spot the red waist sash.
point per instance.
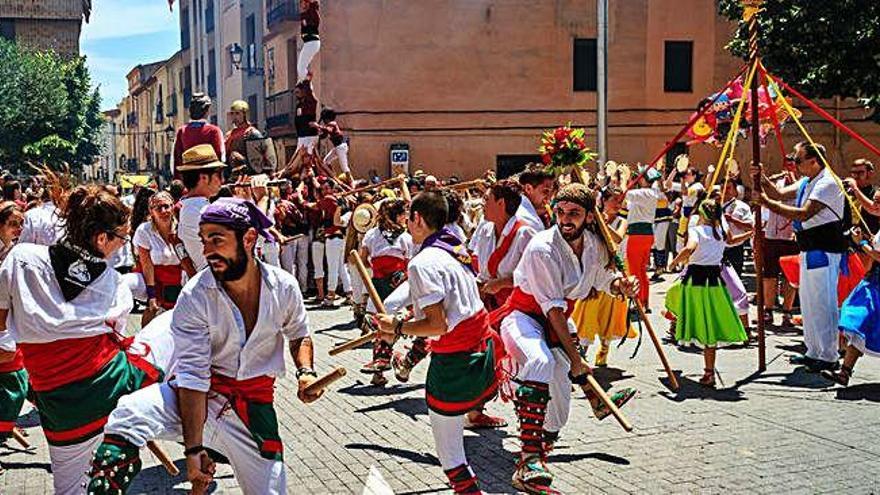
(16, 364)
(524, 302)
(167, 276)
(386, 266)
(468, 336)
(260, 390)
(55, 364)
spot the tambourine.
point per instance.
(682, 162)
(732, 167)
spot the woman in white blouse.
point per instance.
(11, 221)
(161, 256)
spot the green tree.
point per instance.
(822, 48)
(49, 112)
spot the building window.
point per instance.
(7, 29)
(209, 16)
(678, 62)
(212, 73)
(252, 108)
(251, 41)
(585, 70)
(184, 29)
(508, 165)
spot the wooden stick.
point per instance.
(384, 183)
(293, 238)
(20, 438)
(325, 381)
(465, 185)
(600, 392)
(374, 296)
(673, 381)
(404, 189)
(163, 458)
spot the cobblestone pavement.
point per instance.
(784, 430)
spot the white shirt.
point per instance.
(642, 205)
(161, 253)
(824, 189)
(42, 225)
(209, 332)
(377, 245)
(38, 312)
(709, 249)
(529, 215)
(436, 277)
(552, 274)
(188, 229)
(483, 244)
(457, 231)
(689, 197)
(740, 211)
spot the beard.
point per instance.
(235, 268)
(570, 232)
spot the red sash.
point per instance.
(386, 266)
(498, 256)
(468, 336)
(16, 364)
(55, 364)
(166, 276)
(526, 303)
(259, 391)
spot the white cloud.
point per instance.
(123, 18)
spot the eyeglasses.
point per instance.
(124, 238)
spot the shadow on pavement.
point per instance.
(9, 466)
(691, 389)
(606, 376)
(362, 389)
(599, 456)
(417, 457)
(158, 472)
(410, 406)
(864, 391)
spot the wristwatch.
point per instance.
(399, 318)
(305, 371)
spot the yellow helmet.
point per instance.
(240, 106)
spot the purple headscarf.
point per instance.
(238, 214)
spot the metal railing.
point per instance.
(280, 11)
(279, 109)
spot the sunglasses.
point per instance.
(125, 238)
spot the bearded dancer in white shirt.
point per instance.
(229, 325)
(559, 266)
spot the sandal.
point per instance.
(839, 377)
(618, 398)
(708, 379)
(533, 477)
(484, 421)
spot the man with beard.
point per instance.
(236, 138)
(229, 328)
(559, 266)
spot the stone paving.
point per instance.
(784, 430)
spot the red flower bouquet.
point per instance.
(565, 147)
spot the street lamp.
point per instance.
(236, 52)
(169, 132)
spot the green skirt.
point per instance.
(704, 311)
(13, 391)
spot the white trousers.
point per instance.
(340, 152)
(449, 439)
(306, 55)
(524, 339)
(152, 414)
(397, 300)
(661, 230)
(71, 462)
(295, 259)
(818, 292)
(358, 291)
(318, 258)
(336, 266)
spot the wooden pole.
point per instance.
(20, 438)
(758, 243)
(163, 458)
(374, 296)
(325, 381)
(384, 183)
(603, 396)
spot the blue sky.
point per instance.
(123, 34)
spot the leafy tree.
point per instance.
(823, 48)
(48, 111)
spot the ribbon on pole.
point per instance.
(730, 143)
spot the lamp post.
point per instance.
(236, 52)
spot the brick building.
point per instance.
(468, 85)
(44, 24)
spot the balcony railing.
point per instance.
(279, 109)
(280, 11)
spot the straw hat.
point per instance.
(364, 217)
(200, 157)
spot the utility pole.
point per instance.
(602, 80)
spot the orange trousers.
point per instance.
(638, 256)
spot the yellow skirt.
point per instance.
(605, 316)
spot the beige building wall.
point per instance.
(464, 81)
(45, 24)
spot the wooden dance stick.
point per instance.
(325, 381)
(163, 458)
(374, 296)
(384, 183)
(404, 189)
(19, 437)
(673, 381)
(600, 392)
(479, 183)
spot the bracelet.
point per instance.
(151, 292)
(197, 449)
(398, 325)
(578, 380)
(305, 371)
